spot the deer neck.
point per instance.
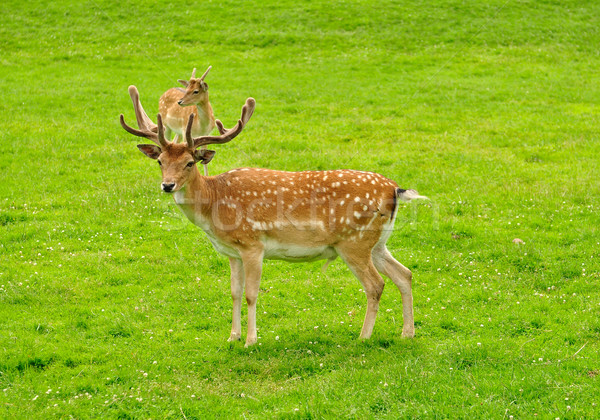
(205, 111)
(195, 199)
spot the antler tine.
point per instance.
(144, 122)
(248, 110)
(147, 128)
(228, 135)
(194, 73)
(205, 73)
(220, 126)
(161, 131)
(188, 132)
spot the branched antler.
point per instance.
(226, 134)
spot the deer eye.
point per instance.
(189, 164)
(196, 92)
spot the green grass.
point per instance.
(114, 306)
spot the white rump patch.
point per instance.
(411, 195)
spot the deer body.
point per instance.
(292, 216)
(254, 214)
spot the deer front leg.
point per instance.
(237, 289)
(168, 133)
(252, 261)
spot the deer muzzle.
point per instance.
(168, 187)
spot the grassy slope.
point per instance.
(112, 305)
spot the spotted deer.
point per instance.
(176, 105)
(252, 214)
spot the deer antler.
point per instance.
(226, 135)
(245, 117)
(186, 83)
(161, 131)
(147, 128)
(205, 73)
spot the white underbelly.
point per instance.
(275, 250)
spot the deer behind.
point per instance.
(176, 105)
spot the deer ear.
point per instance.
(183, 82)
(150, 150)
(204, 86)
(204, 156)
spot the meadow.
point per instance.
(113, 305)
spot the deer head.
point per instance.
(178, 160)
(196, 89)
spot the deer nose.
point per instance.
(167, 187)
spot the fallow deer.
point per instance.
(252, 214)
(176, 105)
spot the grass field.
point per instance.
(112, 305)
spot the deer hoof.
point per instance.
(408, 333)
(250, 341)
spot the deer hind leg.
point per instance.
(361, 265)
(252, 262)
(402, 277)
(237, 289)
